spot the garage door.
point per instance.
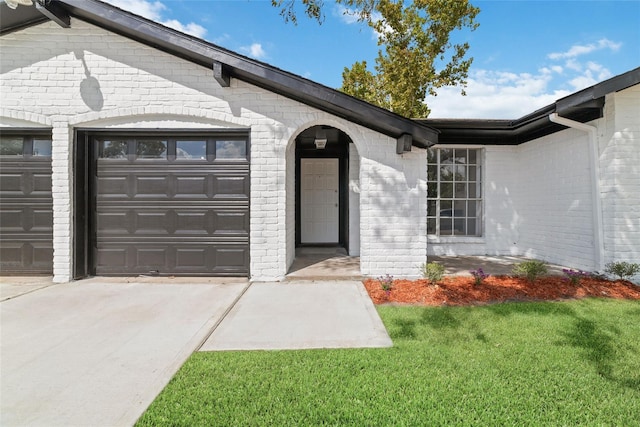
(172, 205)
(26, 214)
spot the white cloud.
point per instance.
(350, 16)
(508, 95)
(593, 74)
(255, 50)
(154, 10)
(346, 15)
(496, 95)
(578, 50)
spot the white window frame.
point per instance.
(479, 199)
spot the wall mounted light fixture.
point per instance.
(321, 138)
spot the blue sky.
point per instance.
(527, 54)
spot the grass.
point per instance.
(569, 363)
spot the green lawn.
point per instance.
(563, 363)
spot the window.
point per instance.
(36, 146)
(177, 148)
(231, 149)
(151, 149)
(454, 192)
(191, 150)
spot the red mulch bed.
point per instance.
(458, 290)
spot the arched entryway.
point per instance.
(326, 206)
(322, 191)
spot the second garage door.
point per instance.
(171, 205)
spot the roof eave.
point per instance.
(254, 72)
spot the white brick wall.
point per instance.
(538, 195)
(554, 200)
(537, 203)
(354, 201)
(619, 144)
(87, 77)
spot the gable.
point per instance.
(224, 65)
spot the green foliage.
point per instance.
(432, 271)
(621, 269)
(529, 364)
(312, 8)
(531, 269)
(386, 283)
(416, 56)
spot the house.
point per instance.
(127, 147)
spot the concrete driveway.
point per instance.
(95, 352)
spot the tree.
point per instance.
(416, 56)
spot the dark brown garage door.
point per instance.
(172, 205)
(26, 214)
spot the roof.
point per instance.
(225, 64)
(582, 106)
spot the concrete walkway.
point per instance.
(98, 351)
(301, 315)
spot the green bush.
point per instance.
(531, 269)
(432, 271)
(622, 270)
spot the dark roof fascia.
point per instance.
(22, 17)
(260, 74)
(583, 106)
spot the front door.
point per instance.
(319, 214)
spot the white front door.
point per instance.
(319, 201)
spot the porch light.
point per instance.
(12, 4)
(321, 139)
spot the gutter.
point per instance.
(598, 224)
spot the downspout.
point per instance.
(598, 224)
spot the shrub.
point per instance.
(386, 283)
(574, 276)
(432, 271)
(531, 269)
(621, 269)
(479, 276)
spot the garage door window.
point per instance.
(191, 150)
(42, 147)
(151, 150)
(25, 146)
(236, 150)
(196, 150)
(113, 149)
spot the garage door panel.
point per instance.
(168, 259)
(26, 213)
(13, 183)
(156, 186)
(191, 258)
(34, 257)
(112, 223)
(40, 184)
(42, 220)
(42, 256)
(231, 186)
(156, 222)
(12, 220)
(111, 259)
(151, 258)
(193, 222)
(192, 187)
(188, 217)
(231, 258)
(231, 223)
(112, 185)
